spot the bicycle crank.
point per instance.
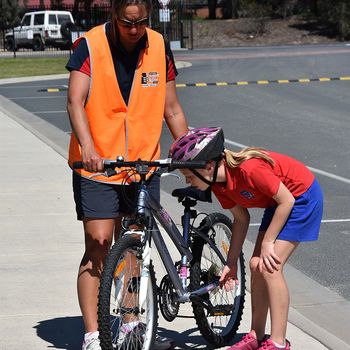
(168, 305)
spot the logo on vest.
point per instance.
(247, 195)
(149, 79)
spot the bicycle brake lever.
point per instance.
(110, 172)
(107, 173)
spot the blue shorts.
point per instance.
(304, 221)
(98, 200)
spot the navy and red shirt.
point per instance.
(124, 62)
(255, 181)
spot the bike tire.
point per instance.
(207, 265)
(112, 304)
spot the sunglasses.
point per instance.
(129, 24)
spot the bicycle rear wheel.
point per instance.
(123, 322)
(219, 326)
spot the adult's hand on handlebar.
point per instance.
(92, 162)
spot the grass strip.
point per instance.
(26, 67)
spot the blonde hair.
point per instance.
(234, 159)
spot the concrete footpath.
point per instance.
(42, 243)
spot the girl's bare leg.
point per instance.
(278, 294)
(259, 296)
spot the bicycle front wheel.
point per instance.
(123, 322)
(219, 325)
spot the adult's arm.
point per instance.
(78, 90)
(173, 112)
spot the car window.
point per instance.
(52, 19)
(26, 20)
(39, 19)
(63, 18)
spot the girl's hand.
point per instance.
(268, 258)
(228, 278)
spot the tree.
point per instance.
(212, 8)
(338, 14)
(8, 13)
(230, 8)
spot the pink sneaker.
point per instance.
(248, 342)
(269, 345)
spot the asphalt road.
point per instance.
(309, 120)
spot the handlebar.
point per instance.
(142, 164)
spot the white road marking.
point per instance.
(45, 112)
(36, 97)
(315, 170)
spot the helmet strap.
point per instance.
(215, 174)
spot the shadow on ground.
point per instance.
(67, 333)
(62, 333)
(317, 28)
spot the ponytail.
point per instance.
(234, 159)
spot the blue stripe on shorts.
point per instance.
(304, 221)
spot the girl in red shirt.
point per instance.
(293, 203)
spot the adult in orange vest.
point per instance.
(121, 86)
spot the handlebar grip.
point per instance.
(78, 165)
(189, 164)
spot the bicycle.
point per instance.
(128, 289)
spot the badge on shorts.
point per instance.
(149, 79)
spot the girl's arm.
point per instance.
(79, 84)
(240, 226)
(173, 113)
(285, 202)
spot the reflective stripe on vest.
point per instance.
(131, 131)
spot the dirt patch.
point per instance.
(259, 32)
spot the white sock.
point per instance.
(130, 325)
(279, 345)
(91, 335)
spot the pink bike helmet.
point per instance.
(199, 144)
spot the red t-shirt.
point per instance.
(254, 182)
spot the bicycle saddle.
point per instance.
(192, 192)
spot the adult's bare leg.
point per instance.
(98, 239)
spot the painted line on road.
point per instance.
(236, 83)
(330, 175)
(48, 112)
(264, 82)
(315, 170)
(323, 221)
(35, 97)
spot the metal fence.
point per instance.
(174, 22)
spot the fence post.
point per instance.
(14, 42)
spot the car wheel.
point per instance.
(38, 44)
(10, 44)
(66, 31)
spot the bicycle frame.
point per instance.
(147, 206)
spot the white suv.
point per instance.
(41, 28)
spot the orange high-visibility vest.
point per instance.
(133, 130)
